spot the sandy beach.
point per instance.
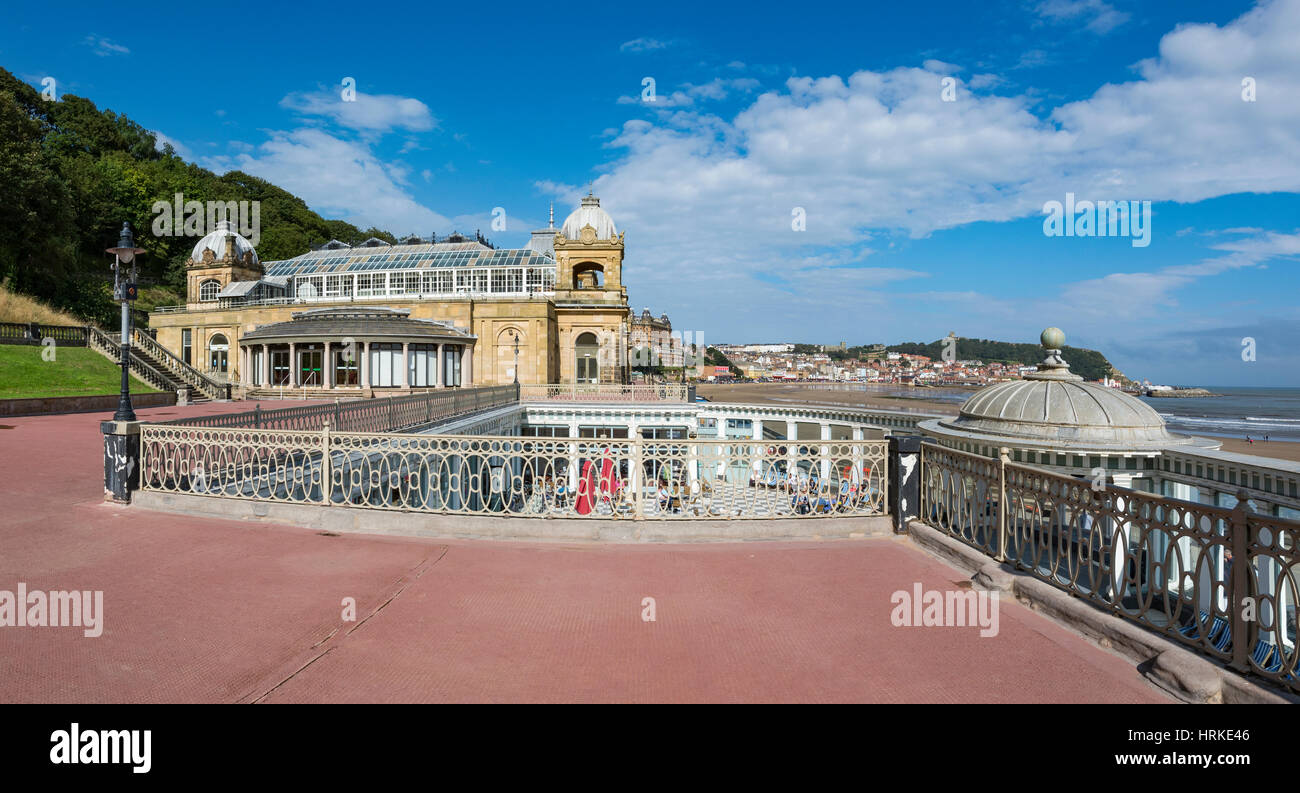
(798, 393)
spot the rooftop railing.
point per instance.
(605, 392)
(1191, 572)
(390, 414)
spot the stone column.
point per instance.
(792, 431)
(467, 366)
(293, 364)
(405, 381)
(327, 366)
(266, 364)
(440, 365)
(364, 377)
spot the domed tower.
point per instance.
(218, 260)
(590, 299)
(589, 256)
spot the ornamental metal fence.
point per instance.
(519, 476)
(1217, 579)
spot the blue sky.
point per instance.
(923, 216)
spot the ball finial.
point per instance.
(1053, 338)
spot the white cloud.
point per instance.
(181, 149)
(104, 47)
(368, 113)
(642, 45)
(1099, 17)
(338, 179)
(880, 151)
(715, 90)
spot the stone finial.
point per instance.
(1053, 366)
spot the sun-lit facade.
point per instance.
(556, 306)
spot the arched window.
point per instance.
(218, 353)
(208, 290)
(586, 351)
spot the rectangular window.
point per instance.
(422, 370)
(385, 365)
(451, 365)
(499, 281)
(545, 431)
(187, 346)
(602, 432)
(338, 286)
(664, 433)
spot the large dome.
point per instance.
(215, 241)
(1054, 405)
(589, 214)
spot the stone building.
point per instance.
(560, 300)
(655, 335)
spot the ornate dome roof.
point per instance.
(589, 214)
(215, 241)
(1054, 405)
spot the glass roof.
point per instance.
(406, 257)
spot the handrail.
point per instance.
(104, 342)
(211, 388)
(365, 415)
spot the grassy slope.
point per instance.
(75, 371)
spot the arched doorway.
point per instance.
(218, 353)
(586, 351)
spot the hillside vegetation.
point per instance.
(1089, 364)
(70, 174)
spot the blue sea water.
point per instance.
(1238, 413)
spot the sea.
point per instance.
(1235, 413)
(1238, 413)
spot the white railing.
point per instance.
(533, 477)
(603, 392)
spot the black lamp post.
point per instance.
(515, 334)
(124, 292)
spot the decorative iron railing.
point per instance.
(390, 414)
(109, 345)
(537, 477)
(604, 392)
(1217, 579)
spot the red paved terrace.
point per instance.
(226, 611)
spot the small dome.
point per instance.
(215, 241)
(1056, 405)
(1061, 410)
(589, 214)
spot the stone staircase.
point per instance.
(157, 366)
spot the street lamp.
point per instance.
(124, 292)
(515, 334)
